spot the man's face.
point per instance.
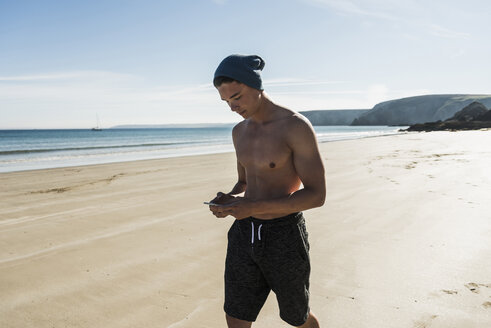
(241, 98)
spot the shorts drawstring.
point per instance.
(258, 232)
(252, 232)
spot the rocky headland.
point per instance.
(399, 112)
(333, 117)
(419, 109)
(475, 116)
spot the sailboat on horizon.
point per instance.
(98, 127)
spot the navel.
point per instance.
(272, 165)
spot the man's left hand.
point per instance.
(240, 209)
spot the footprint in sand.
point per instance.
(411, 165)
(471, 286)
(475, 288)
(425, 321)
(69, 188)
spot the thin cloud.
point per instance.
(352, 8)
(363, 98)
(287, 82)
(443, 32)
(408, 13)
(119, 98)
(98, 88)
(459, 53)
(74, 75)
(307, 92)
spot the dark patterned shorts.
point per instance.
(265, 255)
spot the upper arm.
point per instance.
(306, 156)
(240, 169)
(241, 173)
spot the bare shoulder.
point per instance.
(299, 121)
(299, 129)
(238, 128)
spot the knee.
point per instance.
(311, 322)
(237, 323)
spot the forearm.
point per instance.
(298, 201)
(239, 188)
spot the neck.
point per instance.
(266, 110)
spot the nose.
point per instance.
(233, 106)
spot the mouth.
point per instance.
(242, 113)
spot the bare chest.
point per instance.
(263, 151)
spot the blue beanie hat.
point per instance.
(243, 68)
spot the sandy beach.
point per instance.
(404, 239)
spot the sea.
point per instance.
(22, 150)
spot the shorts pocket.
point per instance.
(287, 243)
(240, 269)
(303, 239)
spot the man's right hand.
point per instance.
(222, 198)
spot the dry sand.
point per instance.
(404, 239)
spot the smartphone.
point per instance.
(213, 204)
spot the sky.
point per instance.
(64, 63)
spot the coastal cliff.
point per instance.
(419, 109)
(473, 117)
(333, 117)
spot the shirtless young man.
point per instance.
(268, 247)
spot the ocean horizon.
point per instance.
(34, 149)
